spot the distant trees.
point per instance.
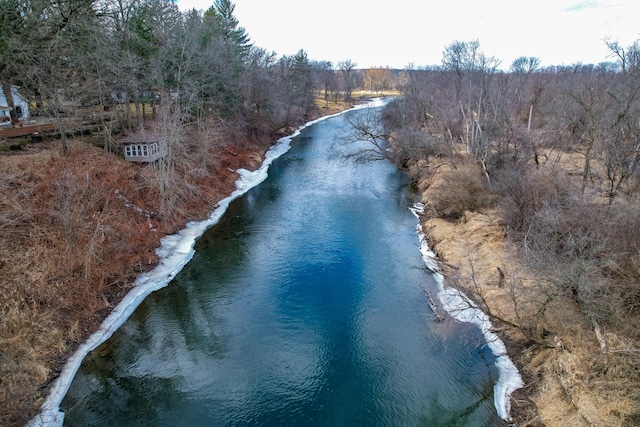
(525, 65)
(378, 79)
(325, 78)
(128, 56)
(112, 64)
(139, 52)
(348, 77)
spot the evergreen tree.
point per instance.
(222, 23)
(226, 47)
(302, 81)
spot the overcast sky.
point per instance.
(397, 33)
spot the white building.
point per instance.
(143, 147)
(20, 102)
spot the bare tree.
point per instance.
(257, 85)
(525, 65)
(364, 140)
(347, 70)
(325, 77)
(378, 79)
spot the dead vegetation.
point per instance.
(562, 291)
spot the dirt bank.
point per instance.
(570, 380)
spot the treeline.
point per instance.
(74, 53)
(555, 153)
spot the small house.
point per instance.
(120, 96)
(143, 147)
(20, 102)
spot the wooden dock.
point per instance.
(28, 129)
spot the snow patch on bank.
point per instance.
(175, 252)
(461, 308)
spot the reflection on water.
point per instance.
(302, 306)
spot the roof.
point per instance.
(140, 137)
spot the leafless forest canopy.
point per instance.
(554, 153)
(557, 150)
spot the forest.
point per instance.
(553, 153)
(553, 156)
(72, 57)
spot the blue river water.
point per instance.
(303, 306)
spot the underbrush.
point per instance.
(566, 289)
(459, 189)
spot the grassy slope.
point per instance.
(569, 381)
(76, 230)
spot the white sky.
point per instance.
(401, 32)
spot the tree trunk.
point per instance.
(139, 106)
(587, 162)
(6, 90)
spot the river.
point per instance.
(303, 305)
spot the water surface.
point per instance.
(304, 305)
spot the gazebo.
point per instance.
(143, 147)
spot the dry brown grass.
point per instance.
(570, 380)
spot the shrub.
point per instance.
(461, 189)
(523, 191)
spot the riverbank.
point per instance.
(174, 253)
(570, 379)
(469, 254)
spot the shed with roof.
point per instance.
(143, 147)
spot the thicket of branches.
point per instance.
(556, 151)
